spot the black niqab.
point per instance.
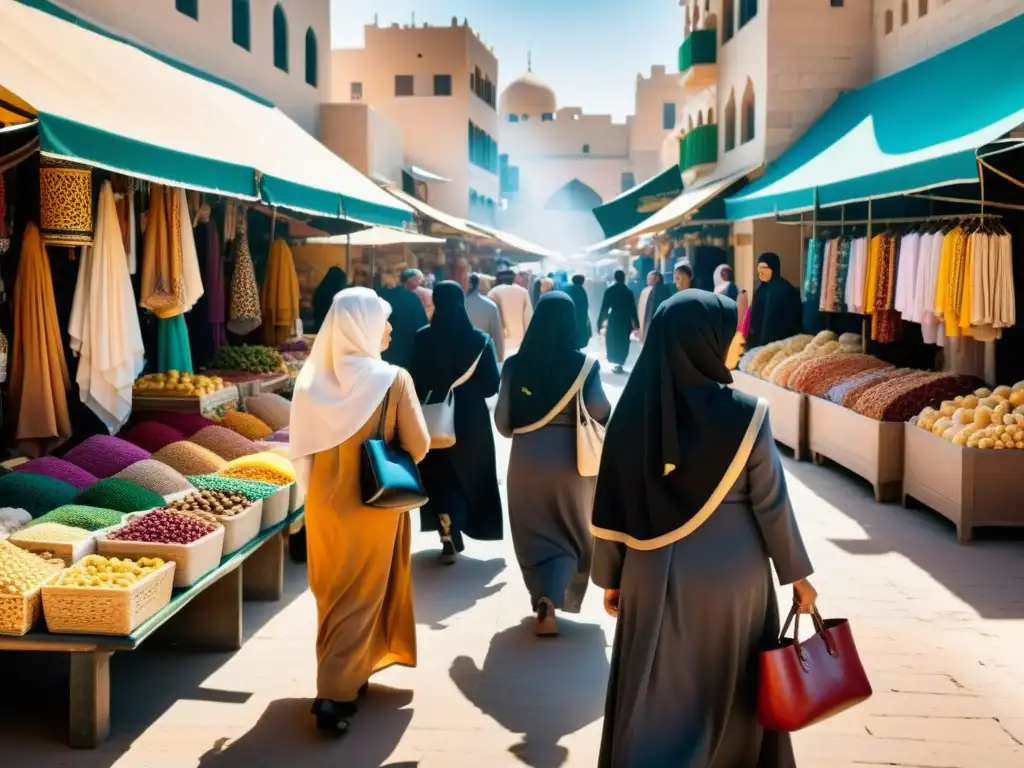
(334, 282)
(678, 426)
(548, 362)
(776, 312)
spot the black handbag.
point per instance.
(388, 477)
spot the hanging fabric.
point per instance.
(885, 320)
(171, 280)
(124, 198)
(104, 327)
(244, 316)
(173, 350)
(279, 296)
(39, 374)
(65, 203)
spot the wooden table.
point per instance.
(206, 615)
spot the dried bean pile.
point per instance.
(36, 494)
(58, 469)
(162, 527)
(121, 495)
(213, 503)
(246, 425)
(105, 456)
(225, 443)
(270, 408)
(189, 458)
(156, 477)
(152, 435)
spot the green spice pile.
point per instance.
(80, 516)
(36, 494)
(251, 489)
(121, 495)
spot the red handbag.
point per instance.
(802, 683)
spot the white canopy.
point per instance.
(377, 236)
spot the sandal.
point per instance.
(547, 625)
(333, 717)
(449, 555)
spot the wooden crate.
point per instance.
(971, 487)
(225, 398)
(787, 410)
(868, 448)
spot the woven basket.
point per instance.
(101, 611)
(194, 560)
(19, 613)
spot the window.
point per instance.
(728, 20)
(547, 117)
(730, 122)
(904, 13)
(837, 3)
(525, 117)
(311, 58)
(668, 115)
(689, 123)
(748, 10)
(628, 180)
(700, 119)
(403, 85)
(355, 91)
(922, 8)
(513, 118)
(280, 39)
(188, 7)
(241, 24)
(442, 85)
(711, 115)
(888, 22)
(749, 116)
(586, 149)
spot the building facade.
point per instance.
(276, 49)
(439, 86)
(558, 164)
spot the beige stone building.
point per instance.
(560, 163)
(277, 49)
(438, 85)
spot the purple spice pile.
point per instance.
(105, 456)
(281, 436)
(152, 435)
(162, 527)
(58, 469)
(186, 423)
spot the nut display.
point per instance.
(51, 533)
(162, 527)
(251, 358)
(176, 384)
(216, 503)
(985, 419)
(96, 571)
(22, 571)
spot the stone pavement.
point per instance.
(941, 628)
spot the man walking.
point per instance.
(485, 315)
(516, 309)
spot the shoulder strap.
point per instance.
(577, 387)
(382, 423)
(472, 369)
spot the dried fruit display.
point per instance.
(176, 384)
(251, 358)
(22, 571)
(95, 571)
(986, 419)
(162, 527)
(214, 503)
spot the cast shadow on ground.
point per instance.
(543, 689)
(286, 736)
(987, 574)
(443, 591)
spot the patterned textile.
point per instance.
(65, 203)
(885, 321)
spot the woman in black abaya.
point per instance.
(461, 481)
(619, 311)
(334, 282)
(776, 312)
(581, 303)
(691, 509)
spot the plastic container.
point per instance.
(277, 506)
(69, 552)
(242, 528)
(194, 560)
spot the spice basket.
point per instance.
(242, 528)
(19, 613)
(102, 611)
(70, 552)
(194, 560)
(276, 507)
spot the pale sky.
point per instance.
(589, 51)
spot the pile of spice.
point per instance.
(36, 494)
(270, 408)
(246, 425)
(58, 469)
(152, 435)
(186, 423)
(21, 571)
(121, 495)
(281, 436)
(225, 443)
(189, 458)
(51, 533)
(816, 378)
(105, 456)
(81, 516)
(162, 527)
(262, 467)
(156, 477)
(250, 489)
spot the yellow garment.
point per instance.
(949, 292)
(871, 275)
(359, 558)
(279, 296)
(39, 375)
(967, 293)
(171, 282)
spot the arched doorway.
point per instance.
(574, 196)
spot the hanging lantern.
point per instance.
(65, 203)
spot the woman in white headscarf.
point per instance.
(358, 556)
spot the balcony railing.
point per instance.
(699, 147)
(701, 47)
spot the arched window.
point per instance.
(904, 13)
(730, 122)
(749, 115)
(711, 115)
(280, 39)
(311, 58)
(689, 123)
(748, 10)
(728, 20)
(700, 119)
(922, 8)
(888, 22)
(188, 7)
(241, 24)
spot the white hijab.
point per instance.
(343, 380)
(721, 283)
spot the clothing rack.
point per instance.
(892, 220)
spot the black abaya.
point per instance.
(578, 294)
(776, 312)
(407, 317)
(619, 310)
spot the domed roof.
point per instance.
(528, 95)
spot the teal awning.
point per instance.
(636, 204)
(110, 103)
(917, 129)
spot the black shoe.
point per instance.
(333, 717)
(448, 554)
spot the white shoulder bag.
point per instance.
(440, 417)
